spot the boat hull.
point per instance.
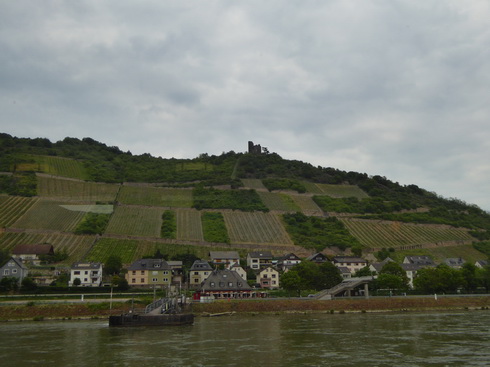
(151, 320)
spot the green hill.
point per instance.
(49, 192)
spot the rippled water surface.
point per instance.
(406, 339)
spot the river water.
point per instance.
(393, 339)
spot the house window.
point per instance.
(142, 272)
(154, 272)
(196, 280)
(133, 280)
(155, 279)
(14, 271)
(11, 263)
(6, 272)
(85, 280)
(211, 284)
(165, 280)
(134, 272)
(76, 272)
(142, 280)
(165, 273)
(230, 284)
(197, 273)
(86, 272)
(221, 284)
(273, 282)
(273, 275)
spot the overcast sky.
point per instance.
(393, 88)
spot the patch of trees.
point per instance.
(110, 164)
(443, 279)
(211, 198)
(93, 223)
(318, 233)
(283, 184)
(169, 224)
(214, 228)
(355, 205)
(19, 183)
(310, 276)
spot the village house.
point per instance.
(317, 258)
(376, 267)
(224, 284)
(198, 272)
(31, 254)
(146, 273)
(268, 278)
(241, 271)
(226, 258)
(455, 262)
(352, 263)
(481, 264)
(287, 262)
(259, 259)
(14, 268)
(89, 274)
(418, 260)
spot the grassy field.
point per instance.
(64, 189)
(378, 234)
(49, 215)
(154, 196)
(132, 250)
(12, 208)
(275, 201)
(342, 191)
(189, 225)
(466, 252)
(135, 221)
(57, 166)
(75, 246)
(255, 227)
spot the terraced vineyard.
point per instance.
(342, 191)
(75, 246)
(65, 189)
(49, 215)
(255, 227)
(253, 183)
(58, 166)
(307, 205)
(136, 221)
(275, 201)
(312, 188)
(12, 208)
(189, 226)
(155, 196)
(378, 234)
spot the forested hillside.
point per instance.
(93, 200)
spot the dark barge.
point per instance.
(163, 312)
(131, 319)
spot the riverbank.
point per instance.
(37, 312)
(344, 305)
